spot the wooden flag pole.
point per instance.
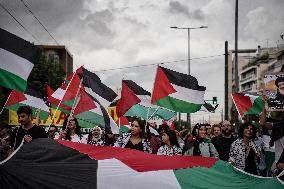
(5, 103)
(60, 102)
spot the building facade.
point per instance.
(253, 64)
(59, 54)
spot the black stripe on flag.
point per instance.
(32, 92)
(44, 163)
(105, 115)
(91, 80)
(182, 80)
(136, 88)
(18, 46)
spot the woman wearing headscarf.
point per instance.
(95, 137)
(199, 144)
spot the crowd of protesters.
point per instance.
(245, 149)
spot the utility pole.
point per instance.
(222, 115)
(236, 56)
(188, 55)
(236, 49)
(226, 82)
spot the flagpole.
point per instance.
(5, 103)
(60, 102)
(118, 124)
(236, 105)
(148, 110)
(152, 95)
(76, 103)
(154, 112)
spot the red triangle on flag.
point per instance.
(15, 97)
(122, 121)
(53, 100)
(85, 103)
(242, 102)
(162, 86)
(72, 88)
(127, 100)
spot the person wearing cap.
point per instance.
(223, 142)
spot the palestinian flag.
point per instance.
(16, 60)
(85, 103)
(124, 124)
(58, 164)
(127, 100)
(67, 93)
(136, 101)
(54, 102)
(248, 104)
(94, 86)
(176, 91)
(30, 98)
(96, 115)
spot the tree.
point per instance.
(46, 71)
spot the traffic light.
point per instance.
(214, 100)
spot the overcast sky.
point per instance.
(108, 34)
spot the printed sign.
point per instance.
(274, 90)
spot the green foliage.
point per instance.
(46, 72)
(256, 60)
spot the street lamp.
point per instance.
(188, 52)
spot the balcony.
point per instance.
(246, 90)
(250, 78)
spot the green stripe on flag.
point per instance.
(256, 108)
(12, 81)
(90, 119)
(222, 176)
(142, 112)
(60, 109)
(178, 105)
(123, 129)
(69, 102)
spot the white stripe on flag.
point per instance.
(114, 174)
(15, 64)
(103, 101)
(58, 94)
(35, 102)
(188, 95)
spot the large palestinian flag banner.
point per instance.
(17, 58)
(177, 91)
(45, 163)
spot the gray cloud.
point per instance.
(175, 7)
(110, 34)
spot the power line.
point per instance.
(31, 12)
(19, 22)
(168, 62)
